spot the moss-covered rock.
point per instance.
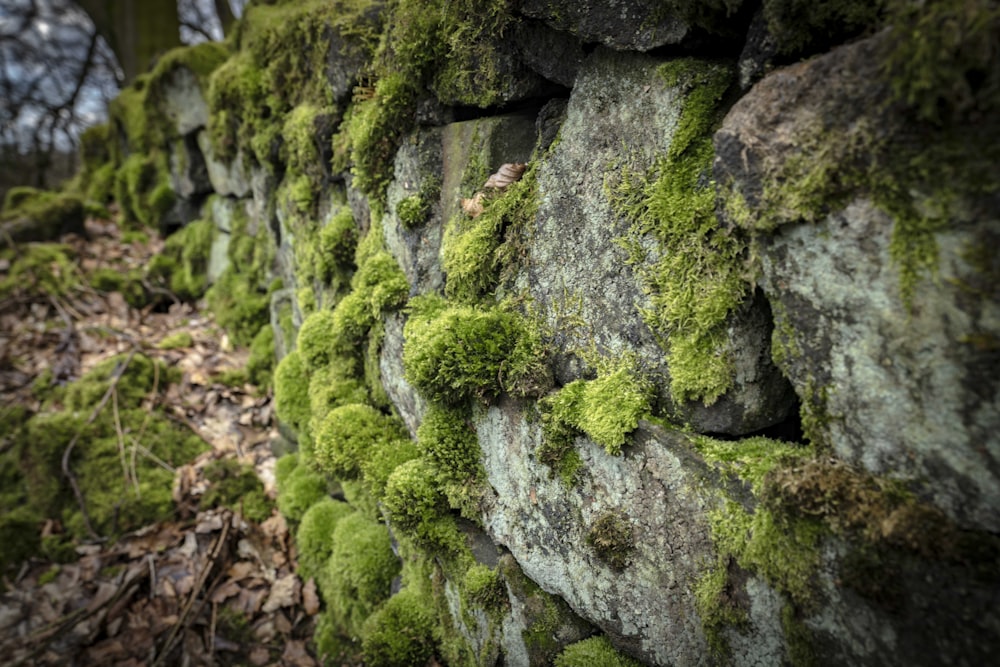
(594, 651)
(401, 632)
(314, 536)
(30, 214)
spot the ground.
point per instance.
(210, 579)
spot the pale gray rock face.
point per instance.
(226, 179)
(636, 25)
(621, 109)
(183, 101)
(409, 404)
(417, 167)
(188, 173)
(909, 392)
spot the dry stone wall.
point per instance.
(714, 380)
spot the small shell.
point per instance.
(473, 207)
(507, 173)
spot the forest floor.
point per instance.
(208, 585)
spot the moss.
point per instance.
(796, 25)
(142, 188)
(477, 252)
(313, 342)
(261, 361)
(447, 440)
(717, 608)
(696, 278)
(189, 251)
(176, 340)
(299, 489)
(331, 387)
(593, 651)
(401, 632)
(607, 409)
(337, 242)
(291, 391)
(314, 536)
(485, 587)
(41, 269)
(382, 462)
(349, 434)
(412, 497)
(40, 215)
(453, 354)
(413, 211)
(359, 574)
(237, 487)
(611, 538)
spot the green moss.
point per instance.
(447, 440)
(176, 340)
(237, 487)
(333, 386)
(190, 250)
(413, 211)
(382, 462)
(401, 632)
(337, 242)
(314, 537)
(299, 489)
(453, 354)
(696, 278)
(412, 497)
(796, 25)
(607, 409)
(41, 215)
(261, 360)
(611, 538)
(359, 574)
(485, 587)
(313, 342)
(717, 609)
(593, 651)
(45, 268)
(291, 391)
(476, 252)
(349, 434)
(142, 188)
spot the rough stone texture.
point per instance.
(637, 25)
(621, 109)
(183, 101)
(410, 406)
(648, 608)
(226, 179)
(281, 300)
(346, 55)
(759, 52)
(417, 167)
(188, 173)
(555, 55)
(908, 393)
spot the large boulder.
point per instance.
(887, 314)
(635, 25)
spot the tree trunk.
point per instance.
(138, 31)
(225, 14)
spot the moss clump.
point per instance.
(176, 340)
(456, 353)
(291, 391)
(606, 408)
(299, 487)
(313, 342)
(261, 361)
(696, 278)
(184, 262)
(349, 435)
(611, 538)
(314, 537)
(594, 651)
(485, 587)
(337, 242)
(413, 211)
(401, 632)
(475, 251)
(333, 386)
(43, 268)
(448, 441)
(237, 487)
(30, 214)
(358, 577)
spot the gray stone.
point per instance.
(348, 52)
(759, 52)
(629, 25)
(409, 404)
(183, 101)
(281, 301)
(188, 173)
(648, 608)
(417, 174)
(555, 55)
(909, 392)
(226, 179)
(576, 271)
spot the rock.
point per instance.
(647, 607)
(628, 25)
(555, 55)
(183, 101)
(281, 310)
(188, 173)
(416, 241)
(348, 53)
(759, 52)
(231, 179)
(622, 110)
(908, 390)
(409, 404)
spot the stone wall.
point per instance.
(714, 376)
